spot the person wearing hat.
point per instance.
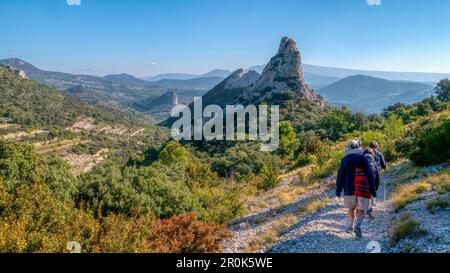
(354, 160)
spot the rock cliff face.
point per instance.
(282, 74)
(281, 81)
(240, 79)
(22, 74)
(229, 89)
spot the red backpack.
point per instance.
(362, 188)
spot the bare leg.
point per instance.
(351, 214)
(351, 220)
(360, 214)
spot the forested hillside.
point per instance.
(28, 103)
(59, 124)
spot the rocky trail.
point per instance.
(285, 229)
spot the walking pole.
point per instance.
(384, 189)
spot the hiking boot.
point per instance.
(358, 232)
(371, 216)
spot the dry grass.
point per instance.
(289, 196)
(304, 171)
(313, 206)
(408, 194)
(57, 145)
(278, 197)
(270, 236)
(408, 173)
(440, 182)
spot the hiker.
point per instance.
(354, 147)
(380, 165)
(380, 162)
(356, 177)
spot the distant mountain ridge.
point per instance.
(388, 75)
(31, 104)
(320, 76)
(205, 83)
(340, 73)
(127, 79)
(222, 73)
(370, 95)
(114, 89)
(124, 89)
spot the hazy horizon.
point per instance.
(218, 68)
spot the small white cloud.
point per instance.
(374, 2)
(73, 2)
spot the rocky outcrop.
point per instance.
(282, 74)
(22, 74)
(240, 79)
(18, 72)
(229, 89)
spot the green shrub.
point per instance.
(20, 164)
(407, 227)
(270, 178)
(288, 139)
(432, 146)
(436, 204)
(155, 189)
(304, 160)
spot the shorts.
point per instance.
(356, 202)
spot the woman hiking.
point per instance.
(356, 178)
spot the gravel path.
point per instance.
(323, 231)
(257, 224)
(319, 232)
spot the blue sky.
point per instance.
(147, 37)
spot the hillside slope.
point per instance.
(65, 126)
(371, 95)
(29, 103)
(117, 91)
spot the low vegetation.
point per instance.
(406, 227)
(440, 182)
(265, 240)
(438, 203)
(408, 194)
(432, 145)
(43, 207)
(313, 206)
(33, 105)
